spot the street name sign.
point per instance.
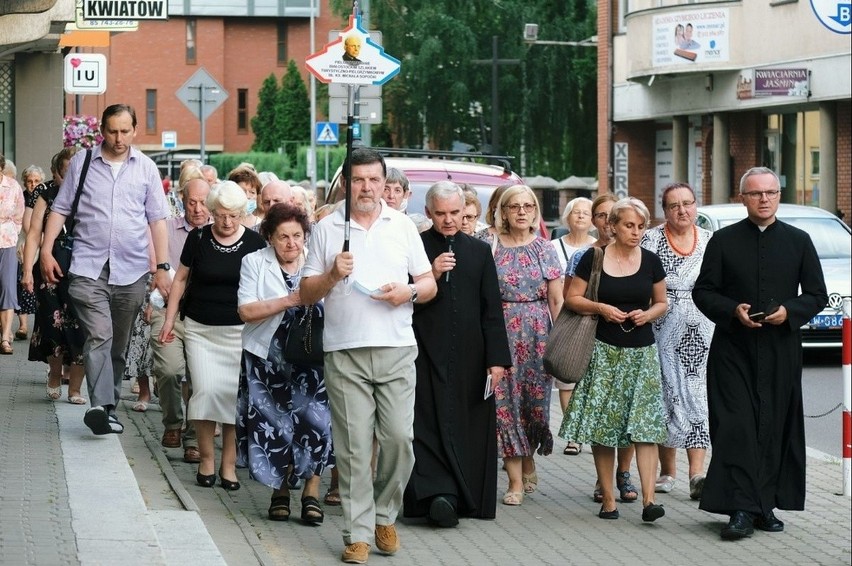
(125, 9)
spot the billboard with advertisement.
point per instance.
(686, 38)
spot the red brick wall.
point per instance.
(237, 52)
(745, 135)
(844, 159)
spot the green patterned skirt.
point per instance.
(619, 400)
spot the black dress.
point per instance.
(56, 331)
(27, 300)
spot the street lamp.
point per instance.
(531, 38)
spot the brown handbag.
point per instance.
(572, 338)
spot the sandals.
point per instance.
(513, 498)
(311, 511)
(279, 508)
(134, 387)
(597, 494)
(53, 393)
(21, 334)
(332, 496)
(626, 490)
(696, 486)
(530, 482)
(76, 400)
(6, 348)
(664, 484)
(573, 449)
(140, 406)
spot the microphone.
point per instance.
(450, 241)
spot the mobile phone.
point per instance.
(771, 308)
(757, 316)
(489, 391)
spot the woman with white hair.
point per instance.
(204, 290)
(577, 216)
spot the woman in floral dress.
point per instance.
(57, 337)
(283, 415)
(530, 279)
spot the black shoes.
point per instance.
(100, 422)
(442, 512)
(740, 526)
(611, 515)
(652, 512)
(228, 484)
(769, 522)
(205, 481)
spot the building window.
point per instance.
(814, 163)
(242, 110)
(190, 41)
(151, 111)
(281, 49)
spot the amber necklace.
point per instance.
(676, 249)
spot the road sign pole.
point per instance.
(326, 163)
(201, 114)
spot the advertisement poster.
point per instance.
(686, 38)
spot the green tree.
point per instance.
(293, 119)
(263, 125)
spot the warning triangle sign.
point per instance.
(327, 135)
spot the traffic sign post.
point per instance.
(202, 95)
(352, 59)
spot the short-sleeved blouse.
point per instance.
(628, 294)
(211, 296)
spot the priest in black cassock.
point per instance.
(754, 372)
(461, 336)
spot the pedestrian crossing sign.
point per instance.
(327, 133)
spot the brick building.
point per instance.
(755, 83)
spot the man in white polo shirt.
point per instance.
(370, 350)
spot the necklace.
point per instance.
(677, 250)
(628, 260)
(626, 330)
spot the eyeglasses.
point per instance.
(580, 213)
(469, 218)
(676, 205)
(601, 215)
(758, 195)
(516, 208)
(231, 217)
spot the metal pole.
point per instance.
(312, 162)
(495, 100)
(347, 169)
(201, 117)
(847, 397)
(326, 164)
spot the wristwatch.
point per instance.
(413, 298)
(164, 266)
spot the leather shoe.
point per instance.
(171, 438)
(191, 455)
(442, 512)
(740, 526)
(769, 522)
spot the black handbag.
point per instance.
(63, 245)
(304, 338)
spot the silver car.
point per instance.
(833, 241)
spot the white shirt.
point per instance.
(389, 251)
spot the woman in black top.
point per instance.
(205, 292)
(619, 400)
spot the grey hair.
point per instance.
(396, 176)
(443, 190)
(629, 203)
(570, 207)
(206, 168)
(32, 169)
(758, 171)
(227, 195)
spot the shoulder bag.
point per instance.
(572, 338)
(64, 242)
(304, 338)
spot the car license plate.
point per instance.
(826, 321)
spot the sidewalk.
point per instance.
(67, 497)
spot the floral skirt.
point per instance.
(283, 417)
(619, 400)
